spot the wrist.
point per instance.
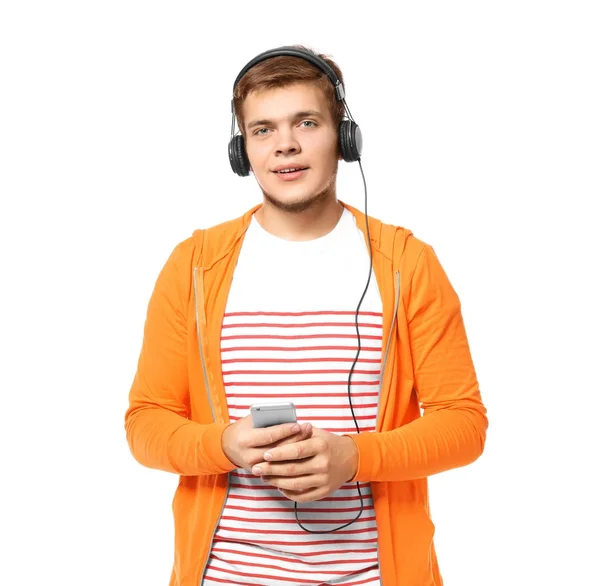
(352, 454)
(226, 445)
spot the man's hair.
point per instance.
(283, 71)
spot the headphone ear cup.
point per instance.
(238, 159)
(350, 137)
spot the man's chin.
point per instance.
(300, 202)
(295, 204)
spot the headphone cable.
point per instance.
(352, 368)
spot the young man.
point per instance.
(272, 307)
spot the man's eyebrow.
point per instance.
(303, 114)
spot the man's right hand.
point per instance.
(245, 445)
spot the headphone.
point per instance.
(350, 145)
(350, 136)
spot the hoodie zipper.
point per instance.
(397, 296)
(212, 537)
(199, 298)
(385, 357)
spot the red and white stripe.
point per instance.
(304, 357)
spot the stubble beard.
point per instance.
(314, 199)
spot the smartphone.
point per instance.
(266, 414)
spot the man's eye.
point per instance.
(260, 132)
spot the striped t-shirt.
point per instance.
(289, 334)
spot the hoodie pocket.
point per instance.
(413, 546)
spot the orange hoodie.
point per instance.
(177, 403)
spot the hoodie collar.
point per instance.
(374, 225)
(239, 226)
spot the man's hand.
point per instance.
(244, 445)
(310, 469)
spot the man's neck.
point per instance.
(315, 222)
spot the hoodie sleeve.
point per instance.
(452, 430)
(158, 430)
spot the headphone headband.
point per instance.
(294, 52)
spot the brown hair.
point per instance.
(283, 71)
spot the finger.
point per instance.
(289, 468)
(293, 451)
(306, 496)
(273, 434)
(304, 433)
(307, 429)
(294, 484)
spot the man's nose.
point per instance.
(287, 143)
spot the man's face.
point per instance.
(291, 127)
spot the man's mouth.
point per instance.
(291, 170)
(292, 173)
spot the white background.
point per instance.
(481, 134)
